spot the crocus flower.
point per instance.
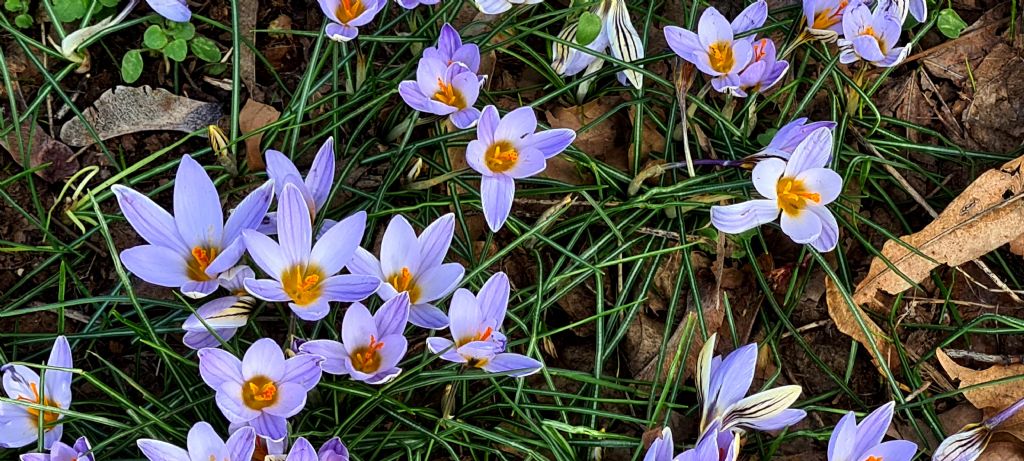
(190, 249)
(900, 8)
(223, 315)
(451, 50)
(203, 445)
(501, 6)
(722, 385)
(414, 265)
(714, 445)
(970, 443)
(263, 389)
(19, 424)
(784, 143)
(372, 345)
(799, 189)
(175, 10)
(508, 148)
(475, 323)
(617, 32)
(60, 451)
(861, 442)
(315, 188)
(333, 450)
(306, 278)
(871, 37)
(441, 88)
(824, 18)
(714, 48)
(347, 15)
(762, 73)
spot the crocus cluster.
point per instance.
(871, 36)
(617, 33)
(824, 19)
(737, 65)
(446, 80)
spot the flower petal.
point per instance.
(464, 312)
(493, 300)
(734, 376)
(58, 383)
(197, 211)
(217, 366)
(291, 397)
(780, 421)
(204, 443)
(750, 18)
(893, 450)
(332, 351)
(488, 125)
(475, 152)
(249, 213)
(741, 217)
(813, 152)
(399, 248)
(531, 161)
(333, 450)
(840, 445)
(365, 263)
(349, 287)
(267, 290)
(302, 451)
(357, 327)
(263, 358)
(392, 316)
(760, 406)
(516, 364)
(265, 252)
(294, 228)
(766, 176)
(625, 43)
(497, 193)
(337, 246)
(713, 28)
(426, 315)
(304, 370)
(270, 426)
(321, 174)
(18, 426)
(446, 348)
(803, 227)
(465, 118)
(552, 142)
(229, 401)
(516, 125)
(435, 241)
(313, 311)
(153, 223)
(175, 10)
(966, 445)
(158, 265)
(155, 450)
(437, 282)
(872, 428)
(241, 444)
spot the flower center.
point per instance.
(870, 31)
(793, 196)
(720, 56)
(874, 458)
(827, 18)
(448, 95)
(349, 10)
(367, 358)
(759, 49)
(480, 336)
(48, 417)
(201, 259)
(259, 392)
(476, 362)
(403, 281)
(501, 157)
(303, 284)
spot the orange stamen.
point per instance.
(793, 196)
(48, 416)
(349, 10)
(501, 157)
(201, 259)
(448, 95)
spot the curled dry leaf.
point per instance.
(42, 149)
(987, 215)
(990, 399)
(253, 116)
(842, 314)
(124, 110)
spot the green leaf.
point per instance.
(154, 38)
(950, 23)
(131, 66)
(176, 50)
(14, 5)
(69, 10)
(588, 28)
(205, 49)
(766, 138)
(109, 3)
(23, 21)
(182, 30)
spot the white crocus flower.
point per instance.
(617, 34)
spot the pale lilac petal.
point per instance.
(919, 10)
(197, 211)
(393, 351)
(304, 370)
(713, 28)
(365, 263)
(428, 72)
(203, 339)
(216, 314)
(241, 444)
(750, 18)
(53, 435)
(249, 213)
(333, 450)
(349, 287)
(516, 125)
(840, 445)
(438, 281)
(227, 258)
(464, 313)
(282, 171)
(270, 426)
(497, 193)
(18, 380)
(357, 327)
(683, 42)
(321, 174)
(493, 299)
(802, 226)
(399, 248)
(217, 366)
(488, 125)
(531, 161)
(813, 152)
(337, 246)
(35, 457)
(743, 53)
(782, 420)
(341, 32)
(291, 397)
(426, 315)
(435, 241)
(823, 181)
(734, 376)
(156, 264)
(58, 383)
(263, 358)
(150, 221)
(392, 316)
(480, 351)
(552, 142)
(332, 351)
(19, 428)
(175, 10)
(294, 228)
(518, 365)
(229, 401)
(204, 443)
(867, 48)
(662, 447)
(893, 450)
(465, 118)
(766, 176)
(155, 450)
(196, 290)
(475, 152)
(302, 451)
(446, 348)
(265, 252)
(414, 98)
(313, 311)
(267, 290)
(872, 428)
(741, 217)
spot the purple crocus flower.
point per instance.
(333, 450)
(414, 265)
(223, 315)
(263, 389)
(714, 48)
(863, 442)
(346, 16)
(762, 73)
(190, 249)
(970, 443)
(203, 445)
(714, 445)
(410, 4)
(372, 345)
(722, 385)
(509, 148)
(501, 6)
(19, 425)
(175, 10)
(451, 50)
(60, 451)
(785, 141)
(315, 188)
(303, 277)
(797, 189)
(824, 18)
(441, 88)
(475, 323)
(871, 37)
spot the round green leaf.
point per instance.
(23, 21)
(131, 66)
(950, 23)
(205, 49)
(176, 50)
(182, 30)
(154, 38)
(588, 28)
(69, 10)
(14, 5)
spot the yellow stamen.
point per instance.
(201, 259)
(367, 359)
(48, 417)
(793, 196)
(720, 56)
(501, 157)
(404, 281)
(349, 10)
(448, 95)
(827, 18)
(303, 284)
(259, 392)
(870, 31)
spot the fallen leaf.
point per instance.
(248, 10)
(842, 314)
(42, 149)
(995, 117)
(1017, 246)
(987, 215)
(990, 399)
(607, 141)
(253, 116)
(126, 110)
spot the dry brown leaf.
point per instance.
(975, 223)
(253, 116)
(42, 149)
(125, 110)
(607, 141)
(846, 322)
(995, 118)
(1017, 246)
(990, 399)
